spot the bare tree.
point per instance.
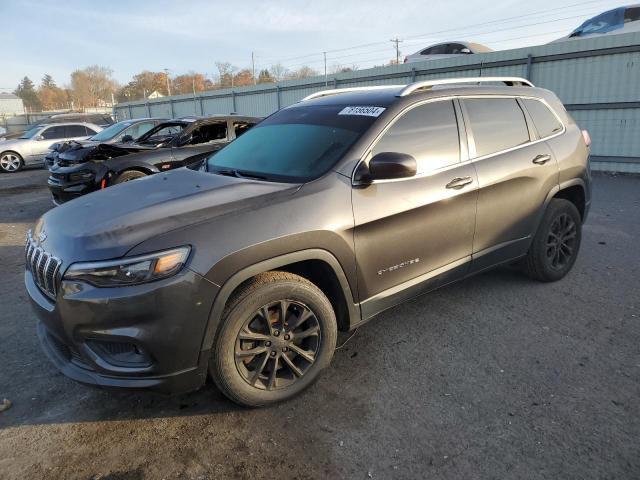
(278, 72)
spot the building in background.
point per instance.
(10, 104)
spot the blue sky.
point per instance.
(57, 37)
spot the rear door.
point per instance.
(516, 171)
(413, 233)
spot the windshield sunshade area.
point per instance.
(297, 144)
(162, 134)
(110, 132)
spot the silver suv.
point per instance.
(32, 146)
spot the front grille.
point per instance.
(44, 267)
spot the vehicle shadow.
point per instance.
(42, 395)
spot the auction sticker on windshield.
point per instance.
(362, 110)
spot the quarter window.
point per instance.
(428, 132)
(497, 124)
(546, 122)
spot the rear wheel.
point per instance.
(10, 162)
(555, 247)
(128, 175)
(277, 334)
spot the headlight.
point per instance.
(130, 271)
(81, 175)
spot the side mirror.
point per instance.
(391, 165)
(38, 138)
(127, 139)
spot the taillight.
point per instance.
(587, 137)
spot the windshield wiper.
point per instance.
(232, 172)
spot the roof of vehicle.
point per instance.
(385, 96)
(62, 124)
(215, 117)
(477, 47)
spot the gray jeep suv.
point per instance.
(323, 215)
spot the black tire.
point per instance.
(11, 162)
(556, 244)
(128, 175)
(255, 310)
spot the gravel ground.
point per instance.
(495, 377)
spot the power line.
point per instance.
(476, 34)
(416, 36)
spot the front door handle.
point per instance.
(541, 159)
(459, 182)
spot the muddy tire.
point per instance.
(276, 335)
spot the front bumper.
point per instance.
(64, 189)
(163, 322)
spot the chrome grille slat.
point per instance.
(43, 266)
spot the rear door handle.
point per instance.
(459, 182)
(541, 159)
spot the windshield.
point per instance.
(162, 134)
(32, 132)
(603, 23)
(294, 145)
(110, 132)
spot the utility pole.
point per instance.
(166, 72)
(397, 41)
(253, 67)
(325, 68)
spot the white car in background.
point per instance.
(446, 50)
(612, 22)
(32, 146)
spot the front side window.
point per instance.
(296, 144)
(545, 121)
(497, 124)
(53, 133)
(163, 133)
(71, 131)
(429, 133)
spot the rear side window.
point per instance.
(546, 122)
(90, 131)
(497, 124)
(429, 133)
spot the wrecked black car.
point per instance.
(176, 143)
(125, 131)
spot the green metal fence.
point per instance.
(598, 79)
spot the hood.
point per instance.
(85, 151)
(13, 143)
(108, 223)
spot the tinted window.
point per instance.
(546, 122)
(295, 144)
(632, 14)
(497, 124)
(455, 48)
(429, 133)
(53, 133)
(90, 131)
(436, 50)
(210, 132)
(75, 131)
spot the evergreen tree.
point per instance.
(27, 92)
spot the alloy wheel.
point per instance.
(561, 240)
(277, 345)
(10, 162)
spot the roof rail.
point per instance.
(511, 81)
(335, 91)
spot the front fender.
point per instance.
(273, 264)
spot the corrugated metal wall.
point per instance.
(598, 79)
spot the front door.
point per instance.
(413, 234)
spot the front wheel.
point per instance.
(554, 248)
(10, 162)
(128, 175)
(277, 334)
